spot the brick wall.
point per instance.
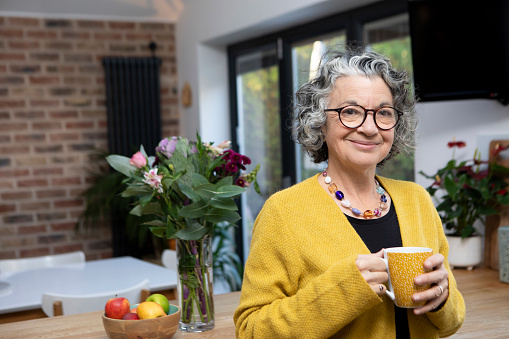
(53, 118)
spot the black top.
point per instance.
(381, 233)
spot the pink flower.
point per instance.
(154, 180)
(138, 160)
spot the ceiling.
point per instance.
(132, 10)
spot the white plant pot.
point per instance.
(465, 252)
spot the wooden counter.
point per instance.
(487, 301)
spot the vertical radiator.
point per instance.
(134, 118)
(133, 103)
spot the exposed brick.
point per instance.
(90, 24)
(44, 80)
(152, 26)
(7, 230)
(47, 125)
(107, 36)
(32, 137)
(48, 149)
(65, 181)
(24, 22)
(77, 80)
(35, 206)
(79, 124)
(4, 92)
(67, 226)
(33, 183)
(27, 92)
(44, 103)
(48, 171)
(123, 47)
(52, 238)
(4, 208)
(59, 45)
(5, 115)
(14, 172)
(63, 114)
(9, 254)
(17, 218)
(13, 126)
(76, 35)
(34, 252)
(30, 161)
(51, 193)
(5, 162)
(58, 137)
(69, 203)
(117, 25)
(139, 36)
(52, 23)
(68, 248)
(44, 56)
(60, 69)
(51, 216)
(29, 115)
(31, 229)
(82, 58)
(12, 80)
(23, 44)
(14, 149)
(11, 33)
(81, 147)
(16, 242)
(62, 91)
(41, 34)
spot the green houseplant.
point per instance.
(185, 191)
(468, 191)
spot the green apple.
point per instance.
(161, 300)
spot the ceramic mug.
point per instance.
(403, 264)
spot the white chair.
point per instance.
(169, 259)
(23, 264)
(59, 304)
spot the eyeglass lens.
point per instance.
(353, 117)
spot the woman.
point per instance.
(314, 268)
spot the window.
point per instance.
(264, 75)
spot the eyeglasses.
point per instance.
(353, 116)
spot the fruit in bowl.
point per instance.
(115, 308)
(161, 325)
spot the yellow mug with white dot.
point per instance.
(403, 264)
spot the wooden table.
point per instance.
(89, 325)
(486, 297)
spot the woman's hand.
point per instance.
(438, 278)
(373, 271)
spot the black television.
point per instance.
(460, 50)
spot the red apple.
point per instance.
(116, 308)
(130, 316)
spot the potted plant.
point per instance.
(467, 192)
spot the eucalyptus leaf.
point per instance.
(223, 203)
(206, 191)
(193, 231)
(158, 231)
(198, 179)
(158, 223)
(215, 215)
(188, 191)
(136, 190)
(121, 164)
(194, 211)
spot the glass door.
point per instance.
(258, 129)
(306, 57)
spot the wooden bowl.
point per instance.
(163, 327)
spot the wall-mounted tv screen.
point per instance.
(460, 49)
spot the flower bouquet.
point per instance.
(186, 189)
(468, 191)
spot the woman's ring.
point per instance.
(441, 290)
(381, 287)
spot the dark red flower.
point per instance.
(227, 154)
(231, 167)
(501, 192)
(246, 160)
(458, 144)
(240, 182)
(236, 158)
(480, 175)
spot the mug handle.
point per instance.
(389, 291)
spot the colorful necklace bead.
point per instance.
(367, 214)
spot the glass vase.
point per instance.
(195, 284)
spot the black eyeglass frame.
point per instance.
(338, 110)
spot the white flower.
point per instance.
(154, 180)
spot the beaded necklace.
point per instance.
(368, 214)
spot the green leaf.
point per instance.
(230, 191)
(193, 231)
(158, 223)
(223, 203)
(215, 215)
(206, 191)
(193, 211)
(171, 230)
(136, 190)
(225, 181)
(158, 231)
(121, 164)
(198, 180)
(188, 191)
(149, 208)
(451, 187)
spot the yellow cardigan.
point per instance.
(301, 280)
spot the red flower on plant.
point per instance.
(498, 148)
(501, 192)
(240, 182)
(458, 144)
(231, 167)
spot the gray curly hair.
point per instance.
(313, 97)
